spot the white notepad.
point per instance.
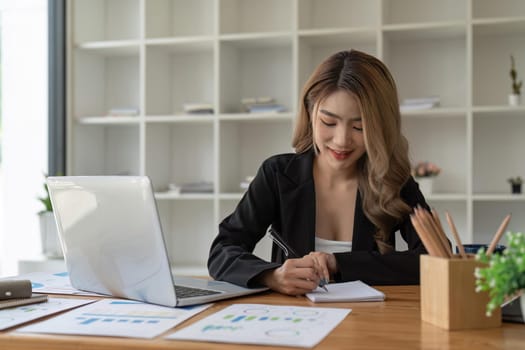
(346, 292)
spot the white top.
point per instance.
(329, 246)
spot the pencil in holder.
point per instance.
(448, 294)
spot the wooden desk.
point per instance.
(393, 324)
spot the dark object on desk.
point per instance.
(33, 299)
(473, 248)
(15, 289)
(514, 311)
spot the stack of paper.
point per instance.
(412, 104)
(261, 105)
(346, 292)
(123, 112)
(198, 108)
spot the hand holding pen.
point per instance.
(289, 252)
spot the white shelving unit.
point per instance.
(156, 55)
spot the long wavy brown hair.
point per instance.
(385, 167)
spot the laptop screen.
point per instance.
(111, 236)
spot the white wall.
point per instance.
(24, 140)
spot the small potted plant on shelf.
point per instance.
(424, 172)
(504, 276)
(48, 229)
(515, 183)
(514, 98)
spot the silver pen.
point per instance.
(289, 252)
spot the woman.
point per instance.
(339, 199)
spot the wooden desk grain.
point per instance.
(393, 324)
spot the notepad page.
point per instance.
(346, 292)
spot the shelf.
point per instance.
(182, 45)
(257, 40)
(499, 110)
(158, 55)
(247, 117)
(501, 26)
(107, 120)
(446, 197)
(498, 197)
(331, 37)
(438, 112)
(183, 196)
(425, 31)
(181, 118)
(111, 48)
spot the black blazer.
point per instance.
(282, 194)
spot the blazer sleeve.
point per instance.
(393, 268)
(231, 256)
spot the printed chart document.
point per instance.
(265, 325)
(51, 283)
(346, 292)
(22, 314)
(118, 318)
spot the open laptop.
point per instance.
(113, 244)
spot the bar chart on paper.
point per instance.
(265, 325)
(18, 315)
(120, 318)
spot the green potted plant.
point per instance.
(504, 276)
(48, 229)
(514, 98)
(515, 183)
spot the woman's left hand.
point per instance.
(326, 264)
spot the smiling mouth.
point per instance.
(340, 155)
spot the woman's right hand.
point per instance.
(294, 277)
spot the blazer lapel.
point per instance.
(297, 191)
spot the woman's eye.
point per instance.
(358, 128)
(326, 123)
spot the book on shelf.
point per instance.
(198, 108)
(416, 104)
(191, 187)
(261, 105)
(123, 112)
(269, 108)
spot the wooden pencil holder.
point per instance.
(448, 294)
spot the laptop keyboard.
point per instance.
(190, 292)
